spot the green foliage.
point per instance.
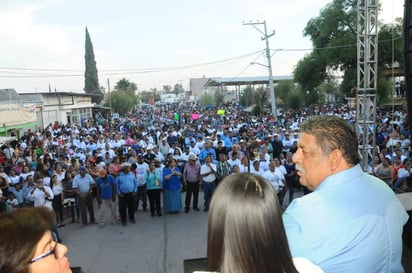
(91, 81)
(219, 98)
(206, 100)
(283, 89)
(384, 90)
(122, 102)
(333, 35)
(310, 71)
(387, 32)
(246, 99)
(257, 110)
(167, 89)
(294, 100)
(349, 82)
(178, 89)
(329, 89)
(260, 98)
(144, 96)
(127, 86)
(312, 97)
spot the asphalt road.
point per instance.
(152, 245)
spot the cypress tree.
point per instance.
(91, 80)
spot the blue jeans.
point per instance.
(398, 184)
(208, 189)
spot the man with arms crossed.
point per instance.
(352, 222)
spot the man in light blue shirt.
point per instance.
(83, 184)
(352, 222)
(127, 190)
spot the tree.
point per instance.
(167, 89)
(127, 86)
(91, 80)
(260, 98)
(206, 100)
(386, 33)
(246, 99)
(294, 100)
(329, 90)
(333, 35)
(310, 71)
(144, 96)
(122, 102)
(219, 98)
(283, 89)
(178, 89)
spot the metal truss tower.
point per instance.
(367, 63)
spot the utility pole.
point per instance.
(266, 38)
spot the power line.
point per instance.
(19, 72)
(137, 70)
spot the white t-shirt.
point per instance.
(204, 169)
(276, 179)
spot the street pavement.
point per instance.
(151, 245)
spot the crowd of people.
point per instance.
(70, 165)
(67, 166)
(122, 164)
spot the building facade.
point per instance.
(63, 107)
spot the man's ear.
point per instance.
(335, 159)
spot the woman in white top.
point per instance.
(245, 230)
(58, 198)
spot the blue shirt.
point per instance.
(227, 140)
(174, 182)
(204, 153)
(83, 184)
(126, 183)
(352, 222)
(106, 186)
(19, 194)
(153, 180)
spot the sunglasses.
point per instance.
(44, 255)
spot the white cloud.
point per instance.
(19, 30)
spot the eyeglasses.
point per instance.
(44, 255)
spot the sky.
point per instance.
(151, 43)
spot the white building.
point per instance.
(64, 107)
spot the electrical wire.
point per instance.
(16, 71)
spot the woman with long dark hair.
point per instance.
(245, 229)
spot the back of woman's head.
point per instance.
(20, 231)
(245, 228)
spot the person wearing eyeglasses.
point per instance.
(26, 238)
